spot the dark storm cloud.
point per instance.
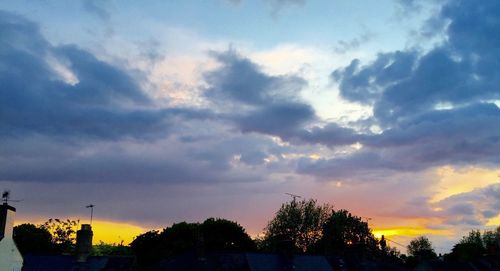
(103, 101)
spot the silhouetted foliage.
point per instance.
(211, 235)
(147, 247)
(421, 248)
(225, 235)
(491, 241)
(103, 249)
(470, 247)
(343, 232)
(474, 245)
(63, 233)
(300, 222)
(31, 239)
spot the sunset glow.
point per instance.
(161, 112)
(406, 232)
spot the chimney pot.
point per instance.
(83, 243)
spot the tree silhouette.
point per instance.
(104, 249)
(31, 239)
(474, 245)
(224, 235)
(343, 232)
(298, 222)
(421, 248)
(214, 234)
(63, 233)
(147, 247)
(491, 240)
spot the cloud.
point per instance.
(278, 5)
(434, 107)
(241, 80)
(473, 208)
(330, 135)
(458, 72)
(67, 91)
(70, 117)
(366, 84)
(97, 8)
(257, 102)
(86, 120)
(344, 46)
(277, 119)
(462, 136)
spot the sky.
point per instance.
(165, 111)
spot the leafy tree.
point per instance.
(491, 240)
(421, 247)
(147, 247)
(212, 235)
(179, 238)
(225, 235)
(470, 247)
(474, 245)
(63, 233)
(298, 222)
(344, 232)
(103, 249)
(31, 239)
(474, 237)
(393, 252)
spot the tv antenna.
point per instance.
(293, 196)
(91, 206)
(367, 219)
(6, 197)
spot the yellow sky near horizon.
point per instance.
(453, 181)
(109, 232)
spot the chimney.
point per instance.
(5, 210)
(83, 243)
(10, 258)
